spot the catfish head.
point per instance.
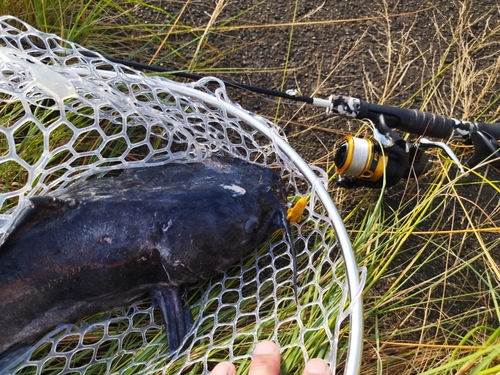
(232, 210)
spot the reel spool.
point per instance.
(362, 162)
(360, 158)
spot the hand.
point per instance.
(266, 361)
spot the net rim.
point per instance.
(353, 362)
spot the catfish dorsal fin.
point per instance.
(39, 208)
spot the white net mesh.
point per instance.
(67, 114)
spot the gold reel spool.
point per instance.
(359, 158)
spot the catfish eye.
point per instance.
(251, 224)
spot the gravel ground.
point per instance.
(334, 47)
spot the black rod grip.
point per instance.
(427, 124)
(411, 120)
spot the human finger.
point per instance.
(317, 366)
(224, 368)
(266, 359)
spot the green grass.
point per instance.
(430, 246)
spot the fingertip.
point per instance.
(266, 359)
(224, 368)
(317, 366)
(265, 347)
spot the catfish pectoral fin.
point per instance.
(188, 319)
(177, 319)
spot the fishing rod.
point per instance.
(292, 94)
(364, 162)
(367, 162)
(387, 157)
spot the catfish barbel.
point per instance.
(103, 243)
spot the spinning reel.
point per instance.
(388, 157)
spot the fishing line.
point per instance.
(260, 90)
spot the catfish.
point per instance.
(106, 242)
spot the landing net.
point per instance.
(67, 114)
